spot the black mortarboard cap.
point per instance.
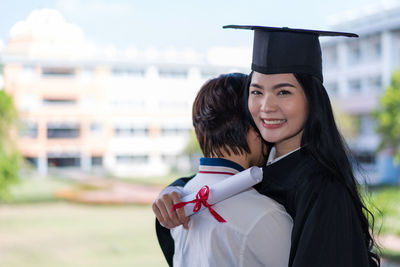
(286, 50)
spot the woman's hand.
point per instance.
(162, 208)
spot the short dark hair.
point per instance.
(219, 116)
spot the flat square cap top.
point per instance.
(286, 50)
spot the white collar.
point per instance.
(272, 154)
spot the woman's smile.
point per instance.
(273, 123)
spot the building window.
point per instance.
(87, 71)
(375, 84)
(208, 74)
(330, 56)
(332, 88)
(173, 74)
(28, 70)
(355, 86)
(367, 125)
(126, 72)
(58, 72)
(33, 161)
(365, 157)
(132, 159)
(174, 131)
(354, 53)
(55, 102)
(62, 130)
(29, 129)
(170, 159)
(96, 128)
(374, 47)
(61, 160)
(377, 49)
(130, 131)
(97, 161)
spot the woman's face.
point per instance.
(278, 106)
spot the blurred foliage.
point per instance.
(37, 190)
(383, 202)
(387, 116)
(349, 124)
(193, 150)
(192, 147)
(9, 156)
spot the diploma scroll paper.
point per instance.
(227, 188)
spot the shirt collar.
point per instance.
(219, 166)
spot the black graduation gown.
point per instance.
(326, 228)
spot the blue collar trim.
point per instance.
(220, 162)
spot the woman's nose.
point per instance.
(269, 104)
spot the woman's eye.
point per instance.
(284, 92)
(255, 92)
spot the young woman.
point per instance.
(309, 171)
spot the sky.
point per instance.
(182, 24)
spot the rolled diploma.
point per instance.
(226, 188)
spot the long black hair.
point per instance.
(323, 141)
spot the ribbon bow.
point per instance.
(201, 199)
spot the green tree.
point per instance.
(192, 150)
(387, 117)
(192, 147)
(9, 156)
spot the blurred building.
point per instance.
(125, 112)
(356, 71)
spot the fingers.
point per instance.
(170, 215)
(157, 212)
(181, 217)
(162, 208)
(186, 223)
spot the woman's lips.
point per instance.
(272, 123)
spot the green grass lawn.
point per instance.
(62, 234)
(41, 231)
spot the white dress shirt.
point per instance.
(256, 233)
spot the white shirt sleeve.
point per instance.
(268, 242)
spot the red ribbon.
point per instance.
(201, 199)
